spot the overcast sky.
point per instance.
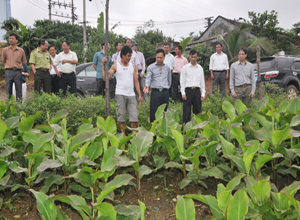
(176, 18)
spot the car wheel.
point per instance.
(292, 92)
(79, 95)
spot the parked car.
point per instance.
(86, 80)
(281, 70)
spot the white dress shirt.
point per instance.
(218, 62)
(134, 58)
(170, 60)
(192, 76)
(52, 72)
(66, 67)
(142, 65)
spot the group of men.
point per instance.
(51, 71)
(127, 65)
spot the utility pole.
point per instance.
(49, 6)
(258, 72)
(208, 21)
(73, 10)
(107, 95)
(84, 29)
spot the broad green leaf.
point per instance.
(185, 209)
(111, 125)
(7, 151)
(173, 164)
(220, 188)
(240, 107)
(46, 207)
(141, 143)
(280, 135)
(184, 182)
(3, 168)
(293, 107)
(227, 147)
(262, 190)
(106, 210)
(263, 134)
(53, 179)
(108, 162)
(41, 140)
(228, 108)
(81, 206)
(143, 209)
(30, 137)
(85, 128)
(144, 170)
(17, 169)
(238, 161)
(12, 122)
(47, 163)
(62, 216)
(4, 180)
(214, 172)
(160, 112)
(3, 129)
(238, 206)
(214, 208)
(62, 113)
(27, 123)
(124, 161)
(292, 189)
(18, 186)
(184, 43)
(234, 182)
(159, 161)
(223, 200)
(113, 139)
(263, 121)
(79, 139)
(239, 135)
(295, 121)
(101, 123)
(179, 140)
(262, 159)
(248, 156)
(281, 202)
(118, 181)
(94, 150)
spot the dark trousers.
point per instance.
(55, 84)
(219, 79)
(174, 86)
(68, 80)
(158, 98)
(193, 97)
(100, 86)
(42, 77)
(13, 76)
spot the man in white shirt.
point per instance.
(169, 58)
(68, 60)
(127, 78)
(141, 69)
(192, 82)
(118, 46)
(134, 57)
(219, 69)
(55, 80)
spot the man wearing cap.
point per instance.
(40, 60)
(13, 59)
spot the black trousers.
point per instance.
(100, 87)
(42, 78)
(175, 84)
(193, 98)
(55, 84)
(68, 80)
(158, 98)
(13, 76)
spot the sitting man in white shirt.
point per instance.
(192, 81)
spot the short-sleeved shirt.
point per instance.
(40, 59)
(98, 62)
(13, 58)
(52, 71)
(66, 67)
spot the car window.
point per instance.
(297, 65)
(90, 71)
(82, 73)
(264, 65)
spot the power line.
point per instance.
(37, 5)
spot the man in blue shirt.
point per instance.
(97, 64)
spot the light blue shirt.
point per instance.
(159, 77)
(98, 62)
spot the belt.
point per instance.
(244, 85)
(176, 73)
(68, 74)
(12, 69)
(160, 90)
(45, 70)
(219, 71)
(192, 88)
(53, 75)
